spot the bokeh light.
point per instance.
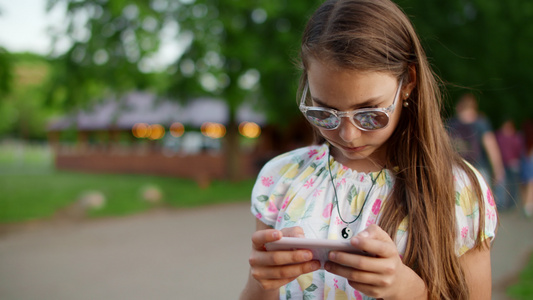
(177, 129)
(213, 130)
(250, 130)
(141, 130)
(157, 132)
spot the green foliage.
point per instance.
(23, 113)
(6, 72)
(111, 45)
(482, 46)
(524, 288)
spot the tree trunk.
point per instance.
(232, 148)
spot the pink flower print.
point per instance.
(335, 284)
(280, 218)
(464, 232)
(285, 203)
(259, 216)
(490, 198)
(370, 222)
(272, 207)
(338, 221)
(309, 183)
(344, 167)
(361, 178)
(267, 181)
(327, 211)
(490, 214)
(312, 152)
(376, 207)
(317, 192)
(343, 181)
(321, 155)
(357, 295)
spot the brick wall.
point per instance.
(203, 166)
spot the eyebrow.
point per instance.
(370, 102)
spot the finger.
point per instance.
(280, 258)
(375, 241)
(354, 275)
(295, 231)
(375, 232)
(261, 237)
(356, 261)
(285, 272)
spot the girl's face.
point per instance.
(347, 90)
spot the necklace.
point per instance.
(346, 232)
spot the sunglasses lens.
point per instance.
(323, 119)
(371, 120)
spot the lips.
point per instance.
(354, 149)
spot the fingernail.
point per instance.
(308, 255)
(327, 266)
(332, 256)
(276, 234)
(364, 234)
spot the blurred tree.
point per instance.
(480, 45)
(234, 49)
(22, 111)
(242, 51)
(6, 69)
(112, 43)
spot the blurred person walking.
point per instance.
(527, 169)
(473, 138)
(512, 150)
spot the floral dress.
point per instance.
(295, 189)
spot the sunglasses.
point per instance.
(366, 119)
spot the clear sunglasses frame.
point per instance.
(349, 114)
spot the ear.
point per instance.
(408, 88)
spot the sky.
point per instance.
(23, 25)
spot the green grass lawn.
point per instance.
(31, 189)
(523, 290)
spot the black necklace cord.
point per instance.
(337, 199)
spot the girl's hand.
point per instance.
(273, 269)
(383, 276)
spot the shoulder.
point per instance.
(281, 174)
(470, 211)
(289, 164)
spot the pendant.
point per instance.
(346, 233)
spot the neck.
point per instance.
(369, 164)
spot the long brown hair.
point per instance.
(375, 35)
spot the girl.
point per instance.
(383, 169)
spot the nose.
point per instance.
(347, 130)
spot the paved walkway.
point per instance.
(185, 254)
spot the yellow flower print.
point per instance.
(465, 201)
(381, 180)
(340, 295)
(308, 171)
(341, 172)
(290, 170)
(305, 280)
(296, 208)
(327, 289)
(403, 224)
(463, 249)
(357, 202)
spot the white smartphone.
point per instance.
(319, 247)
